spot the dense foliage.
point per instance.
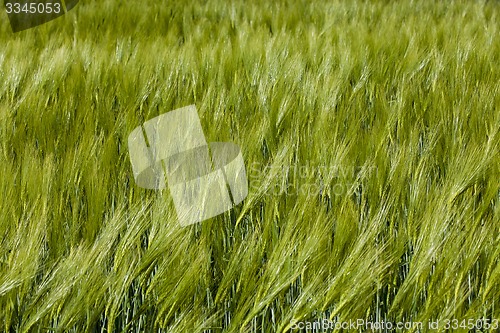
(370, 132)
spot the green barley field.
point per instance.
(370, 135)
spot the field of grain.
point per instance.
(370, 134)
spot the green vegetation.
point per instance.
(391, 109)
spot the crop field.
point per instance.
(370, 132)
